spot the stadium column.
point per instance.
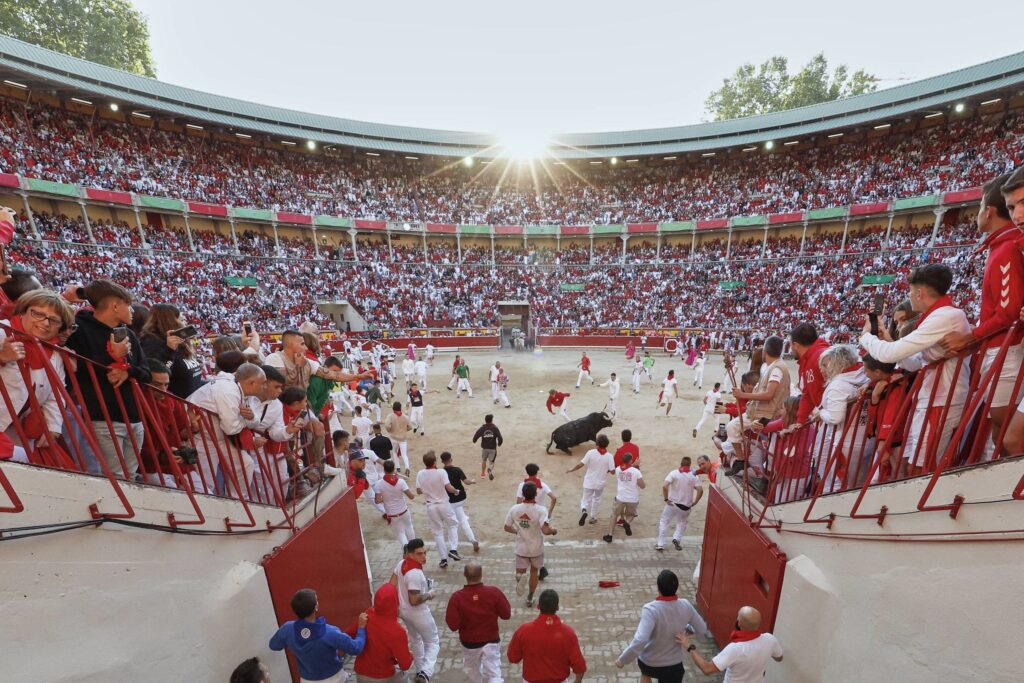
(31, 216)
(458, 244)
(764, 240)
(939, 213)
(138, 224)
(693, 242)
(391, 253)
(591, 248)
(803, 237)
(277, 241)
(625, 241)
(493, 262)
(846, 231)
(316, 242)
(352, 235)
(188, 230)
(728, 243)
(234, 237)
(888, 230)
(657, 255)
(426, 259)
(85, 219)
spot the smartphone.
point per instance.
(247, 327)
(185, 333)
(876, 312)
(120, 333)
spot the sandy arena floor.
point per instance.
(577, 558)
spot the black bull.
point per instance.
(578, 431)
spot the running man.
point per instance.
(415, 405)
(682, 491)
(638, 372)
(434, 486)
(712, 399)
(430, 354)
(613, 394)
(490, 438)
(543, 493)
(463, 374)
(495, 372)
(421, 372)
(556, 399)
(649, 366)
(455, 374)
(698, 369)
(529, 522)
(599, 464)
(391, 492)
(460, 481)
(408, 370)
(669, 392)
(629, 481)
(584, 366)
(414, 592)
(503, 388)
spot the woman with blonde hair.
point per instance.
(844, 376)
(39, 316)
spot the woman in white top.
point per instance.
(39, 315)
(844, 377)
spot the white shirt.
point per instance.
(528, 520)
(746, 662)
(542, 492)
(494, 373)
(268, 416)
(613, 387)
(638, 367)
(596, 466)
(698, 363)
(392, 496)
(421, 368)
(408, 366)
(361, 427)
(416, 580)
(224, 398)
(713, 397)
(682, 486)
(372, 467)
(628, 490)
(430, 350)
(432, 482)
(668, 386)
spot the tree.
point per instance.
(109, 32)
(770, 87)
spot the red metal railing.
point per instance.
(817, 460)
(250, 476)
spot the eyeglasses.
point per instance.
(39, 317)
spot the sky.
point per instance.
(539, 68)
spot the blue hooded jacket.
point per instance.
(315, 645)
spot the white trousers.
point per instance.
(612, 406)
(483, 664)
(401, 527)
(698, 376)
(672, 515)
(442, 522)
(494, 391)
(727, 383)
(591, 500)
(503, 397)
(636, 381)
(583, 375)
(416, 417)
(339, 677)
(453, 380)
(401, 449)
(464, 386)
(703, 418)
(562, 412)
(371, 497)
(423, 639)
(422, 381)
(462, 520)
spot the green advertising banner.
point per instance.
(573, 286)
(731, 284)
(876, 279)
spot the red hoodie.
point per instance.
(387, 643)
(1002, 287)
(812, 384)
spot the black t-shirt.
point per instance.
(456, 476)
(381, 445)
(416, 399)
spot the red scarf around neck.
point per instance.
(408, 564)
(667, 598)
(391, 479)
(625, 466)
(684, 469)
(851, 368)
(535, 481)
(398, 412)
(743, 636)
(35, 354)
(944, 300)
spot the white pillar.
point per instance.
(355, 252)
(939, 213)
(426, 258)
(188, 231)
(728, 243)
(391, 253)
(888, 231)
(494, 261)
(803, 238)
(138, 224)
(625, 241)
(458, 243)
(846, 232)
(234, 238)
(316, 242)
(657, 256)
(764, 241)
(85, 219)
(693, 241)
(31, 216)
(277, 241)
(591, 248)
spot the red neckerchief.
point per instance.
(667, 598)
(851, 368)
(743, 636)
(408, 564)
(398, 412)
(625, 466)
(535, 481)
(391, 479)
(36, 355)
(602, 451)
(310, 355)
(944, 300)
(684, 469)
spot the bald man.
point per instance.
(745, 657)
(474, 611)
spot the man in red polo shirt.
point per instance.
(628, 447)
(547, 648)
(474, 611)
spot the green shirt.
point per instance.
(462, 371)
(648, 362)
(318, 392)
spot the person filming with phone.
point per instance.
(103, 336)
(167, 339)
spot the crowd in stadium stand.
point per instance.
(42, 142)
